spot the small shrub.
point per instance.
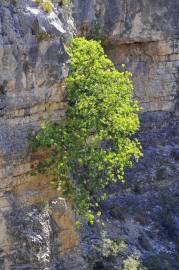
(110, 247)
(133, 263)
(95, 143)
(46, 5)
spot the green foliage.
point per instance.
(46, 5)
(94, 144)
(133, 263)
(109, 247)
(38, 1)
(66, 2)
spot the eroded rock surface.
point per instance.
(33, 65)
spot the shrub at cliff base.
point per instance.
(95, 142)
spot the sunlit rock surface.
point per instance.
(33, 64)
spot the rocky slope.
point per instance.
(36, 228)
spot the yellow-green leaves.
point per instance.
(46, 5)
(110, 247)
(95, 143)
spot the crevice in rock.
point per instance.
(3, 103)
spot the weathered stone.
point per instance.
(59, 206)
(32, 71)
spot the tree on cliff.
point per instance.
(95, 142)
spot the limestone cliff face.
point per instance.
(36, 228)
(33, 65)
(144, 36)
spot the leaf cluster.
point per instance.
(110, 247)
(46, 5)
(95, 142)
(133, 263)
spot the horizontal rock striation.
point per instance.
(144, 36)
(33, 65)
